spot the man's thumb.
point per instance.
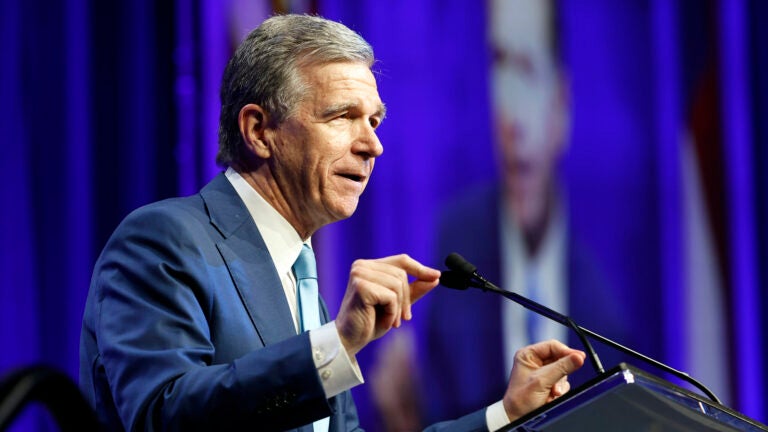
(565, 366)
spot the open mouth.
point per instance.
(353, 177)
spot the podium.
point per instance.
(628, 399)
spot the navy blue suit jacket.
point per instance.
(187, 327)
(463, 358)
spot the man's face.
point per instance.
(324, 153)
(528, 105)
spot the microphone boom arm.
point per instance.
(470, 278)
(547, 312)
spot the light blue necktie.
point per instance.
(305, 270)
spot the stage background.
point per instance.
(106, 106)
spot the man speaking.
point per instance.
(203, 311)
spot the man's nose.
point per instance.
(367, 143)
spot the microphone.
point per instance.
(457, 262)
(463, 275)
(454, 279)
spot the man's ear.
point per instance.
(253, 121)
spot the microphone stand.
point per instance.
(471, 278)
(549, 313)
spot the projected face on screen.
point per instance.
(529, 103)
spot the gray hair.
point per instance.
(265, 70)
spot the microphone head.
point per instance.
(454, 280)
(457, 263)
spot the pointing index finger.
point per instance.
(426, 279)
(412, 267)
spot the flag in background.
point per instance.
(691, 185)
(706, 295)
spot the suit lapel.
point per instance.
(248, 262)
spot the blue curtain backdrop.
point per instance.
(105, 106)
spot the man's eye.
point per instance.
(342, 116)
(374, 122)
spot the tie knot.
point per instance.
(305, 267)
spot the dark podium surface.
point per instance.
(629, 399)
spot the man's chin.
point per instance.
(344, 210)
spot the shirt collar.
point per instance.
(282, 240)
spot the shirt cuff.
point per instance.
(496, 416)
(337, 371)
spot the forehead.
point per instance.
(340, 82)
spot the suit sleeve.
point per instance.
(153, 310)
(474, 422)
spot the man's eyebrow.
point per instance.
(332, 110)
(382, 111)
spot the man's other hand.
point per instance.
(539, 375)
(379, 297)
